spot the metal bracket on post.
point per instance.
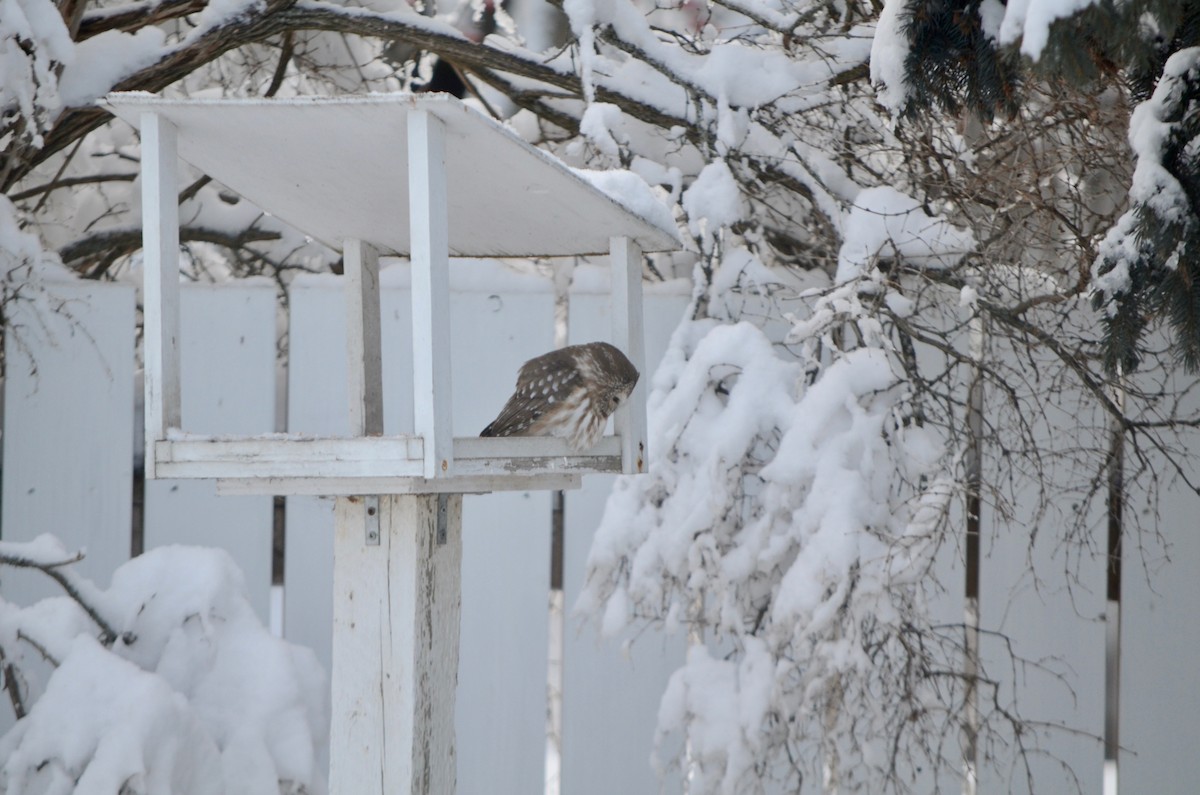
(372, 520)
(442, 503)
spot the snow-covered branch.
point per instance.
(196, 697)
(47, 556)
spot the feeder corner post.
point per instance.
(363, 342)
(160, 245)
(430, 257)
(628, 334)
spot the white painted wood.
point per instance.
(506, 543)
(610, 696)
(517, 200)
(395, 648)
(1160, 645)
(296, 448)
(68, 427)
(306, 448)
(374, 457)
(364, 357)
(160, 293)
(227, 356)
(628, 335)
(501, 705)
(428, 222)
(317, 397)
(342, 487)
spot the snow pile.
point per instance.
(105, 725)
(188, 694)
(631, 192)
(885, 224)
(791, 506)
(102, 61)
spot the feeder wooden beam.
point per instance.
(430, 290)
(160, 243)
(364, 354)
(627, 332)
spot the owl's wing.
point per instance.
(542, 384)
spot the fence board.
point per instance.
(502, 671)
(1042, 586)
(610, 700)
(227, 351)
(68, 435)
(1160, 645)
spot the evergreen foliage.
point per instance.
(953, 63)
(1152, 259)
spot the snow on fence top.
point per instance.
(342, 173)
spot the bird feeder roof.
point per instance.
(336, 168)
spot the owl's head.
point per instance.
(615, 376)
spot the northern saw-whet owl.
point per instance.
(570, 392)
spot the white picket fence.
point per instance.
(68, 453)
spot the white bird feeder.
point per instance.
(428, 178)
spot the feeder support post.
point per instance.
(396, 607)
(428, 229)
(361, 268)
(160, 245)
(630, 421)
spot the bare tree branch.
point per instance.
(118, 242)
(12, 683)
(70, 182)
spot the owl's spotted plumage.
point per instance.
(569, 392)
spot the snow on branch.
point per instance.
(192, 697)
(49, 557)
(790, 512)
(1145, 263)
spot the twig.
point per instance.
(130, 240)
(12, 684)
(47, 656)
(107, 634)
(70, 182)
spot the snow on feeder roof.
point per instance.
(341, 174)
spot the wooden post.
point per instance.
(160, 273)
(361, 263)
(395, 646)
(630, 420)
(429, 238)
